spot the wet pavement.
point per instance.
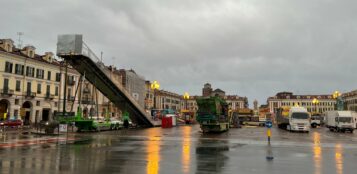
(180, 150)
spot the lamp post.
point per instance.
(186, 96)
(155, 86)
(337, 96)
(315, 102)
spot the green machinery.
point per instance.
(88, 124)
(80, 123)
(212, 114)
(84, 124)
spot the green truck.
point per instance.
(212, 114)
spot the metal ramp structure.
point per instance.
(80, 57)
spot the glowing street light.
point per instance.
(155, 86)
(315, 102)
(186, 96)
(336, 94)
(339, 103)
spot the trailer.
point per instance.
(212, 114)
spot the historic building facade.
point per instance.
(235, 102)
(350, 99)
(168, 100)
(32, 87)
(30, 83)
(288, 99)
(133, 83)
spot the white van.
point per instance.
(354, 114)
(340, 121)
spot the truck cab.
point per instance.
(299, 119)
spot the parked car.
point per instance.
(49, 126)
(12, 123)
(115, 123)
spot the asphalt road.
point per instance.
(181, 150)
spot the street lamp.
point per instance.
(336, 94)
(186, 96)
(155, 86)
(339, 103)
(315, 102)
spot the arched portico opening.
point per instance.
(27, 106)
(92, 112)
(85, 112)
(4, 109)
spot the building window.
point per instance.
(49, 75)
(38, 103)
(17, 101)
(18, 85)
(37, 115)
(58, 77)
(6, 85)
(69, 93)
(48, 90)
(39, 73)
(28, 87)
(39, 88)
(8, 67)
(19, 69)
(16, 113)
(30, 71)
(56, 104)
(56, 91)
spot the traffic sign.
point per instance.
(268, 124)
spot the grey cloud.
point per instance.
(249, 47)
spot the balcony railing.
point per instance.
(29, 94)
(71, 82)
(87, 102)
(49, 96)
(86, 90)
(70, 98)
(7, 92)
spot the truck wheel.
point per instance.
(313, 125)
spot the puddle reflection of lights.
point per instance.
(186, 149)
(153, 153)
(317, 153)
(339, 159)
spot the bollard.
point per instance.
(269, 155)
(269, 135)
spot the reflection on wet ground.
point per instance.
(180, 150)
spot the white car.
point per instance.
(115, 123)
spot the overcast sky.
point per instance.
(251, 48)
